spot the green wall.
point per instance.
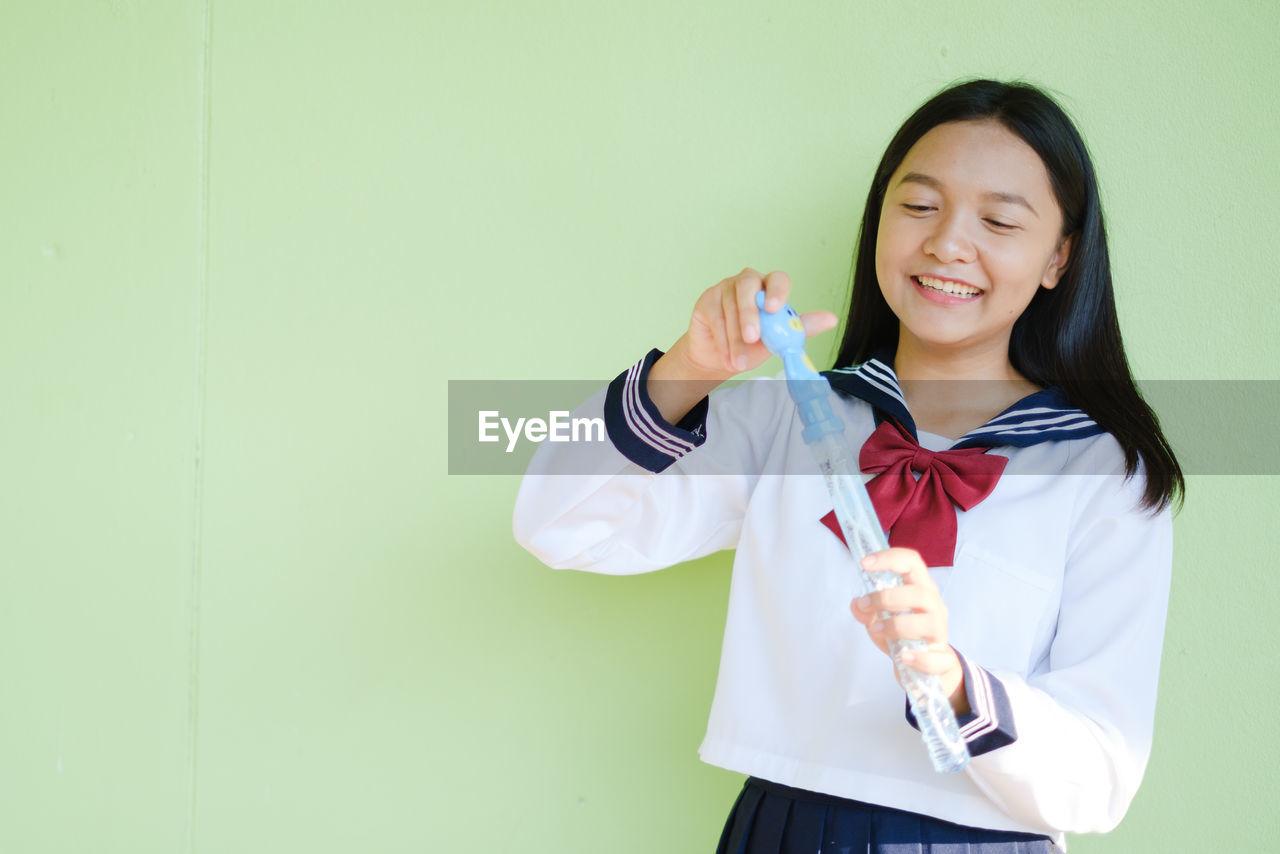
(245, 245)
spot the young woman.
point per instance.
(1024, 484)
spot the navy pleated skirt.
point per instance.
(772, 819)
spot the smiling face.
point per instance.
(969, 231)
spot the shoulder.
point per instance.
(1099, 454)
(1109, 499)
(1085, 479)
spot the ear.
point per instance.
(1058, 263)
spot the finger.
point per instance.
(733, 327)
(905, 599)
(935, 659)
(909, 627)
(895, 601)
(862, 610)
(905, 562)
(748, 284)
(817, 322)
(711, 314)
(881, 643)
(777, 286)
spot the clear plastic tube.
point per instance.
(783, 333)
(861, 529)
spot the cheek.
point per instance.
(888, 252)
(1018, 264)
(884, 273)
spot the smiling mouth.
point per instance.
(954, 289)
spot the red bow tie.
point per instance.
(918, 513)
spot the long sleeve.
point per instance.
(1066, 745)
(654, 494)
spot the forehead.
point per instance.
(981, 157)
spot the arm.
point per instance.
(1062, 747)
(1083, 720)
(655, 493)
(628, 509)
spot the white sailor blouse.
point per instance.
(1056, 596)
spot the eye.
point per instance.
(917, 208)
(1000, 224)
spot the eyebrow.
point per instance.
(934, 184)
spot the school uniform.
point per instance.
(1056, 583)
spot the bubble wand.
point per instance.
(783, 334)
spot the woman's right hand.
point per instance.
(724, 332)
(723, 339)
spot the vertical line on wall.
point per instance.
(204, 85)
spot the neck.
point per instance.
(915, 360)
(950, 393)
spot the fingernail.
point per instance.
(876, 626)
(907, 655)
(750, 333)
(869, 561)
(740, 363)
(864, 602)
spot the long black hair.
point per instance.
(1068, 336)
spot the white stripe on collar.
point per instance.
(1045, 416)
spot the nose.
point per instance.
(949, 242)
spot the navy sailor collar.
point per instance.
(1044, 416)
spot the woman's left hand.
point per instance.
(914, 611)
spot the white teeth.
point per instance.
(953, 288)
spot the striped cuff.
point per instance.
(637, 429)
(989, 723)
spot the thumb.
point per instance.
(817, 322)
